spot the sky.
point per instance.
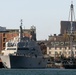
(44, 14)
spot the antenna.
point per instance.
(21, 22)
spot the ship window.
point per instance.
(11, 48)
(23, 48)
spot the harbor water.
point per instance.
(37, 71)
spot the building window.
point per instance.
(60, 53)
(49, 52)
(75, 52)
(69, 52)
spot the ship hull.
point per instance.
(23, 62)
(69, 66)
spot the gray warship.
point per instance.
(23, 53)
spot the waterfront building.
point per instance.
(60, 45)
(58, 52)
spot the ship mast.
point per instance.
(71, 30)
(20, 32)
